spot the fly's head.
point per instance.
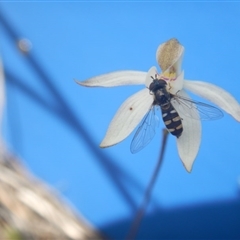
(157, 84)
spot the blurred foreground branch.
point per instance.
(29, 209)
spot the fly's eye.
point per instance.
(151, 86)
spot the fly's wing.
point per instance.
(145, 131)
(196, 110)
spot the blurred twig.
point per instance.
(63, 110)
(140, 213)
(29, 209)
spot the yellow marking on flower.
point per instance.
(169, 76)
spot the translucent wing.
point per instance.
(145, 131)
(195, 109)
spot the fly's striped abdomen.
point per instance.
(172, 120)
(170, 116)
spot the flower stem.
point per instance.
(139, 214)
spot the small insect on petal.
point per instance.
(127, 117)
(113, 79)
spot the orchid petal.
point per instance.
(176, 85)
(118, 78)
(189, 142)
(216, 95)
(127, 117)
(152, 72)
(169, 57)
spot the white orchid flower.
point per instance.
(132, 111)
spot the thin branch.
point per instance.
(140, 213)
(65, 112)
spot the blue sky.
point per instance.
(45, 124)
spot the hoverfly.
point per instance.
(164, 100)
